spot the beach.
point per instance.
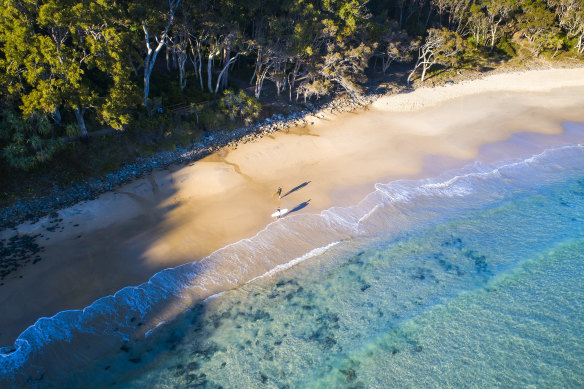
(183, 214)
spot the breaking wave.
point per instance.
(71, 339)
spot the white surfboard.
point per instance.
(280, 213)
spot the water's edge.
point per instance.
(134, 312)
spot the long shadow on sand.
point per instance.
(299, 206)
(296, 188)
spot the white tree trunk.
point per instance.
(494, 34)
(182, 60)
(418, 63)
(151, 54)
(226, 63)
(209, 74)
(200, 65)
(150, 61)
(196, 59)
(81, 121)
(292, 78)
(425, 67)
(224, 72)
(213, 51)
(260, 82)
(257, 66)
(57, 115)
(167, 54)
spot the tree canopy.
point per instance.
(68, 67)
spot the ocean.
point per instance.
(474, 278)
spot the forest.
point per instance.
(74, 68)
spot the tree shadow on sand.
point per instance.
(296, 188)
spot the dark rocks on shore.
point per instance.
(34, 208)
(18, 251)
(21, 250)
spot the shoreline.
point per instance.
(35, 208)
(122, 323)
(185, 213)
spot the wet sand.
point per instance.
(183, 214)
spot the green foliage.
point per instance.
(507, 47)
(27, 141)
(61, 57)
(538, 24)
(344, 66)
(240, 106)
(68, 67)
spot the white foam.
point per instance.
(111, 315)
(214, 296)
(313, 253)
(149, 332)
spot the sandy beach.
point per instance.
(183, 214)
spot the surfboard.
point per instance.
(280, 213)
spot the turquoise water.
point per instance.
(494, 298)
(471, 279)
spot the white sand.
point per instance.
(532, 81)
(175, 216)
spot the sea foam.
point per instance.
(71, 339)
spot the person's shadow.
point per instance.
(299, 206)
(296, 188)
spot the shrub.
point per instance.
(506, 46)
(28, 141)
(240, 105)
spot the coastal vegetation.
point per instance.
(89, 84)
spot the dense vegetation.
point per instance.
(71, 67)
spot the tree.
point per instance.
(239, 105)
(61, 59)
(154, 18)
(498, 13)
(225, 48)
(440, 47)
(457, 12)
(396, 46)
(62, 52)
(478, 24)
(67, 58)
(28, 141)
(537, 23)
(337, 54)
(571, 15)
(179, 48)
(276, 45)
(270, 64)
(218, 39)
(345, 65)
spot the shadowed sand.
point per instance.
(183, 214)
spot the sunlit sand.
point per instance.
(187, 212)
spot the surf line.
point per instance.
(312, 253)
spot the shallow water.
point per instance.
(494, 298)
(473, 278)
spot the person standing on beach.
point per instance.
(278, 192)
